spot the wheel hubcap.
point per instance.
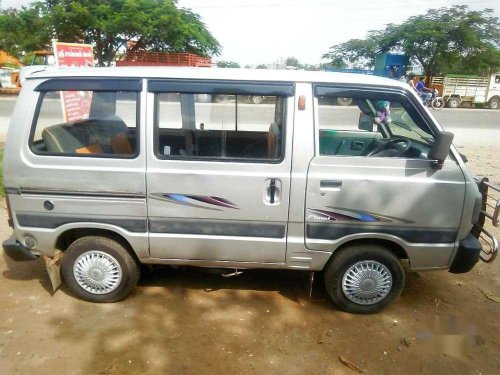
(367, 282)
(97, 272)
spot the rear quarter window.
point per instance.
(86, 123)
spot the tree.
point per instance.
(112, 26)
(357, 53)
(228, 64)
(444, 40)
(311, 67)
(23, 30)
(261, 66)
(293, 62)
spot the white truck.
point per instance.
(469, 91)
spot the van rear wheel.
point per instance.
(99, 269)
(364, 279)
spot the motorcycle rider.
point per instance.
(425, 92)
(411, 81)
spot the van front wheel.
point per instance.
(99, 269)
(364, 279)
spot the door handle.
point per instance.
(272, 191)
(330, 184)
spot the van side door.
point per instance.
(218, 175)
(371, 178)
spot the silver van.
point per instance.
(110, 168)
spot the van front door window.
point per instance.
(371, 127)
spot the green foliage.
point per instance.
(311, 67)
(261, 66)
(154, 25)
(294, 62)
(23, 30)
(228, 64)
(360, 52)
(444, 40)
(337, 61)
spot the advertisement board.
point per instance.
(76, 104)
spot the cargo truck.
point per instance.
(460, 90)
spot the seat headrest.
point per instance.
(59, 139)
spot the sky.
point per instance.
(264, 31)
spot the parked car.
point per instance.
(131, 169)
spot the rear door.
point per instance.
(378, 182)
(218, 174)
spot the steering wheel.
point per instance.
(391, 146)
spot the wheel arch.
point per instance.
(69, 236)
(392, 246)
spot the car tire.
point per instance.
(494, 103)
(99, 269)
(344, 101)
(203, 98)
(453, 103)
(437, 104)
(256, 99)
(364, 279)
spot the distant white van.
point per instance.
(118, 167)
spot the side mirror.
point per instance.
(441, 147)
(365, 122)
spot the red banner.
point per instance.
(76, 104)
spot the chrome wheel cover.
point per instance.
(97, 272)
(367, 282)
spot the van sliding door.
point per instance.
(218, 175)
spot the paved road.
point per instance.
(471, 126)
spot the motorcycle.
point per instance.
(433, 100)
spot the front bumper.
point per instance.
(17, 251)
(467, 254)
(490, 211)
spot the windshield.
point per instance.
(402, 125)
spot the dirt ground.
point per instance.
(261, 322)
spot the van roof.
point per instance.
(216, 73)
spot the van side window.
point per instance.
(219, 127)
(86, 123)
(363, 126)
